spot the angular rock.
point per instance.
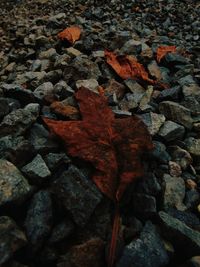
(37, 170)
(131, 47)
(181, 156)
(14, 188)
(78, 195)
(11, 239)
(170, 94)
(148, 250)
(115, 88)
(180, 235)
(153, 121)
(176, 58)
(174, 192)
(18, 121)
(4, 107)
(62, 90)
(177, 113)
(193, 146)
(149, 185)
(143, 205)
(174, 169)
(61, 231)
(171, 131)
(154, 70)
(54, 160)
(44, 90)
(159, 152)
(38, 221)
(90, 84)
(191, 90)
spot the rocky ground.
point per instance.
(40, 225)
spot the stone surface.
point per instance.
(91, 84)
(181, 156)
(77, 194)
(14, 188)
(54, 160)
(153, 121)
(171, 131)
(11, 239)
(148, 250)
(174, 192)
(61, 231)
(181, 236)
(193, 146)
(144, 205)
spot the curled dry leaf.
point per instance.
(113, 146)
(71, 34)
(127, 67)
(64, 110)
(163, 50)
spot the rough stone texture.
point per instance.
(13, 186)
(181, 156)
(153, 121)
(144, 205)
(181, 236)
(148, 250)
(91, 84)
(44, 90)
(77, 194)
(38, 221)
(177, 113)
(171, 131)
(193, 146)
(174, 192)
(37, 170)
(11, 239)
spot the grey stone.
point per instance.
(39, 219)
(54, 160)
(176, 58)
(11, 239)
(62, 90)
(37, 170)
(170, 94)
(160, 153)
(177, 113)
(48, 54)
(181, 156)
(44, 90)
(61, 231)
(182, 237)
(143, 205)
(187, 80)
(191, 90)
(131, 47)
(78, 195)
(149, 185)
(4, 107)
(18, 121)
(174, 192)
(193, 146)
(153, 121)
(146, 98)
(90, 84)
(137, 90)
(171, 131)
(148, 250)
(14, 188)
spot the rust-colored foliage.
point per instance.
(71, 34)
(64, 110)
(113, 146)
(127, 67)
(163, 50)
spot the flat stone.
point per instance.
(78, 195)
(37, 170)
(180, 235)
(90, 84)
(44, 90)
(11, 239)
(71, 51)
(39, 218)
(153, 121)
(193, 146)
(171, 131)
(148, 250)
(174, 192)
(14, 188)
(176, 113)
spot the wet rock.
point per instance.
(177, 113)
(61, 231)
(38, 221)
(144, 205)
(171, 131)
(193, 146)
(181, 156)
(14, 188)
(37, 170)
(77, 194)
(91, 84)
(44, 90)
(174, 192)
(148, 250)
(18, 121)
(4, 107)
(11, 239)
(153, 121)
(182, 237)
(54, 160)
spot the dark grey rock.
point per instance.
(174, 192)
(148, 250)
(176, 59)
(4, 107)
(39, 218)
(18, 121)
(36, 171)
(143, 205)
(171, 131)
(50, 54)
(180, 235)
(62, 90)
(192, 197)
(153, 121)
(11, 239)
(53, 76)
(61, 231)
(177, 113)
(14, 188)
(191, 90)
(131, 47)
(54, 160)
(181, 156)
(159, 152)
(78, 195)
(44, 90)
(193, 146)
(187, 80)
(149, 185)
(170, 94)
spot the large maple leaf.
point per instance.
(113, 146)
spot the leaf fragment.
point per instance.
(163, 50)
(71, 34)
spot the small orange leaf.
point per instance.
(127, 67)
(163, 50)
(71, 34)
(64, 110)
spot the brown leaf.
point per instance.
(64, 110)
(127, 67)
(71, 34)
(163, 50)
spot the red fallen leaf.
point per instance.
(113, 146)
(163, 50)
(71, 34)
(127, 67)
